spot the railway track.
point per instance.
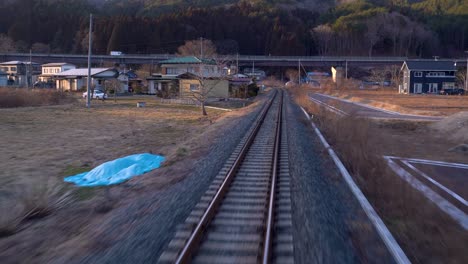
(245, 215)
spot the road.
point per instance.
(343, 107)
(244, 60)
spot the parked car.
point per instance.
(98, 94)
(452, 91)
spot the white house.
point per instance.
(76, 79)
(50, 69)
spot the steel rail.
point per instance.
(197, 234)
(271, 205)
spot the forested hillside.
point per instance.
(263, 27)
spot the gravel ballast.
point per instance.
(159, 214)
(329, 225)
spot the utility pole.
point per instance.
(201, 48)
(29, 75)
(88, 86)
(466, 76)
(237, 63)
(299, 72)
(346, 69)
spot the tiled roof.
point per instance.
(431, 65)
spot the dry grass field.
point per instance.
(42, 145)
(436, 105)
(426, 234)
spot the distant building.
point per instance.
(427, 76)
(21, 73)
(190, 64)
(254, 73)
(129, 81)
(186, 85)
(3, 79)
(163, 85)
(76, 79)
(50, 69)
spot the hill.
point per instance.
(277, 27)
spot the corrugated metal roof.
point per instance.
(55, 64)
(17, 62)
(187, 60)
(82, 72)
(431, 65)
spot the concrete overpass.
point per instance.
(244, 60)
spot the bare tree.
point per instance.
(40, 48)
(323, 36)
(373, 33)
(395, 74)
(112, 85)
(196, 47)
(207, 81)
(6, 44)
(379, 75)
(292, 75)
(461, 78)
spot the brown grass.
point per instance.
(436, 105)
(45, 144)
(18, 97)
(426, 234)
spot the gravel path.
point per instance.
(329, 225)
(159, 215)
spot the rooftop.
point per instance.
(83, 72)
(431, 65)
(56, 64)
(17, 62)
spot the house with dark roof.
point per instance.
(191, 64)
(427, 76)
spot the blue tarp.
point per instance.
(117, 171)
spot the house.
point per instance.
(21, 73)
(185, 85)
(257, 74)
(129, 81)
(163, 85)
(50, 69)
(3, 79)
(190, 84)
(76, 79)
(427, 76)
(190, 64)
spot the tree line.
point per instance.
(364, 28)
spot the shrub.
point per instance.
(17, 97)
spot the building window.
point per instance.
(448, 85)
(417, 74)
(417, 88)
(436, 74)
(171, 71)
(433, 88)
(194, 87)
(13, 69)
